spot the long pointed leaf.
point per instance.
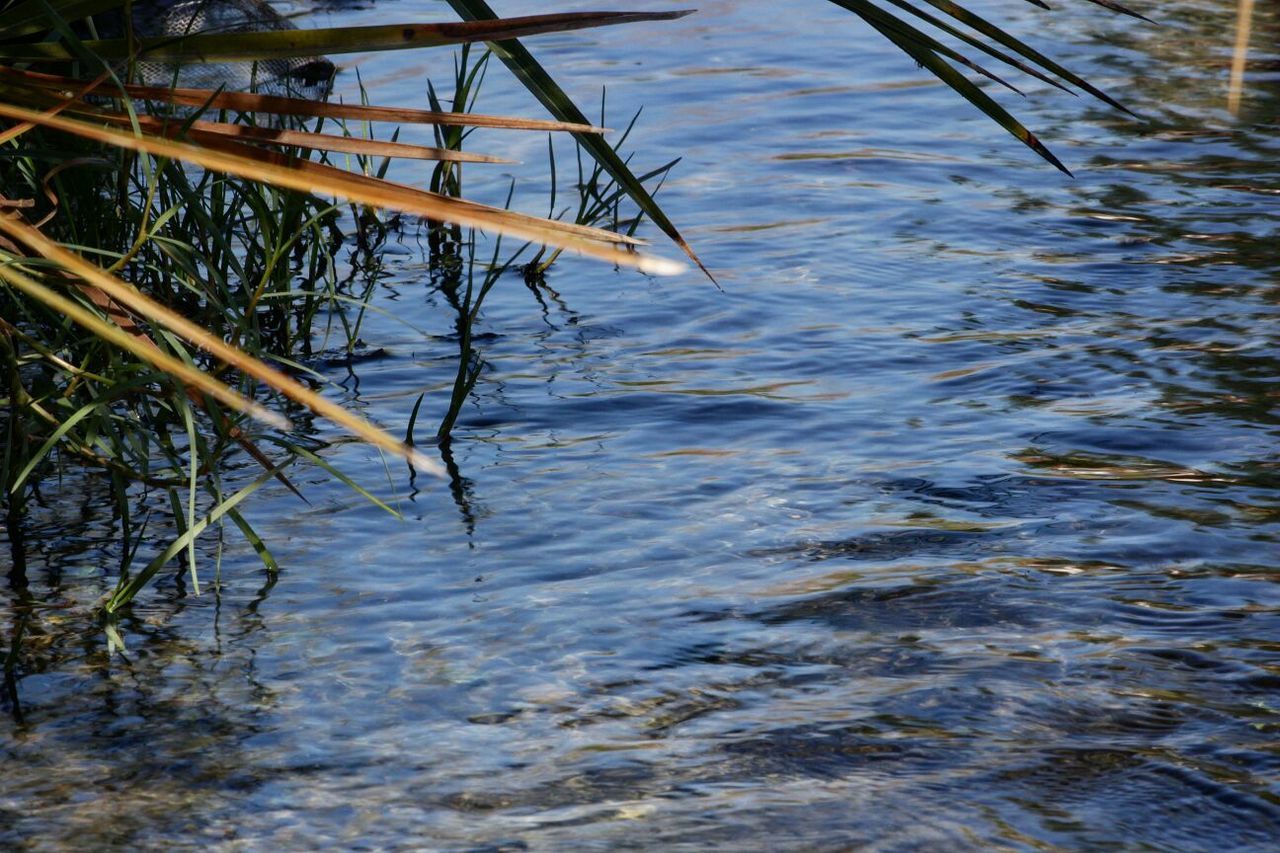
(965, 89)
(277, 44)
(990, 30)
(500, 219)
(159, 360)
(1123, 10)
(972, 41)
(129, 589)
(352, 187)
(199, 130)
(157, 313)
(550, 95)
(883, 20)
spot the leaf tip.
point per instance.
(423, 463)
(654, 265)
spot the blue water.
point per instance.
(950, 522)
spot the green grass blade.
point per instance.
(193, 481)
(550, 95)
(883, 20)
(978, 43)
(991, 31)
(130, 588)
(321, 462)
(957, 82)
(259, 546)
(982, 101)
(1123, 10)
(63, 428)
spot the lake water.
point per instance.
(950, 522)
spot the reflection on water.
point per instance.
(950, 523)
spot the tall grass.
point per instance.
(168, 256)
(162, 282)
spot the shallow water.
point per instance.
(950, 522)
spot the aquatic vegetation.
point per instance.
(194, 256)
(167, 252)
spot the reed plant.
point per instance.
(168, 254)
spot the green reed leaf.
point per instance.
(541, 85)
(990, 30)
(913, 47)
(129, 588)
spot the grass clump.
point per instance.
(165, 272)
(167, 254)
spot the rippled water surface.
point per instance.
(950, 522)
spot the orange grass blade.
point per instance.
(199, 130)
(157, 313)
(246, 102)
(160, 360)
(501, 216)
(360, 190)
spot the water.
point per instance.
(950, 522)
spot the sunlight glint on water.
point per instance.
(949, 523)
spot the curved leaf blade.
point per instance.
(540, 84)
(279, 44)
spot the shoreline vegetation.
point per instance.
(168, 253)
